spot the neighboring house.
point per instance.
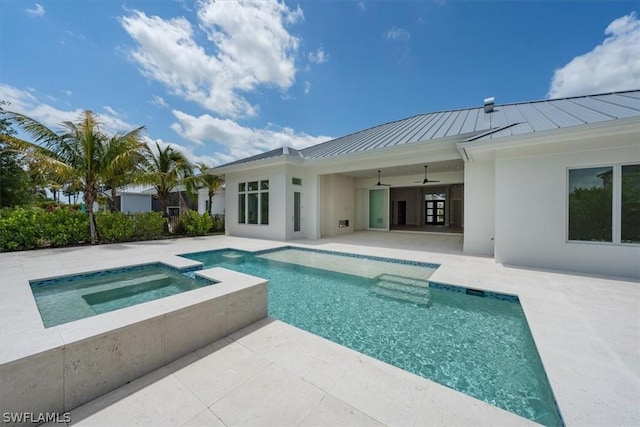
(140, 199)
(133, 199)
(548, 184)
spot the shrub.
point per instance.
(19, 228)
(195, 224)
(114, 227)
(28, 228)
(149, 225)
(64, 227)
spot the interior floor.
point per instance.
(428, 228)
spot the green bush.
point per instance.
(114, 227)
(118, 227)
(64, 227)
(28, 228)
(19, 228)
(149, 225)
(195, 224)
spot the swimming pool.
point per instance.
(65, 299)
(388, 309)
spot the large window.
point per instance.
(630, 209)
(604, 204)
(253, 202)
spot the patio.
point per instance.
(586, 330)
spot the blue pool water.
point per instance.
(65, 299)
(480, 346)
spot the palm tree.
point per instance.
(167, 169)
(125, 157)
(213, 183)
(81, 153)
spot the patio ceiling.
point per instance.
(411, 169)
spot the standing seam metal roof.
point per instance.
(505, 120)
(474, 124)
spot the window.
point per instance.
(296, 181)
(590, 204)
(253, 202)
(630, 209)
(604, 204)
(241, 208)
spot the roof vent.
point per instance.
(488, 105)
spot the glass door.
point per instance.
(378, 215)
(296, 211)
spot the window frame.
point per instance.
(616, 204)
(249, 189)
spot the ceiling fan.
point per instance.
(379, 184)
(426, 180)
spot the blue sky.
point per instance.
(227, 79)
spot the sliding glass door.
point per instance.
(378, 210)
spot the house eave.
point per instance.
(485, 149)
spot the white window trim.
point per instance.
(246, 192)
(616, 205)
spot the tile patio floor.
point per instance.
(587, 330)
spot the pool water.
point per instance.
(66, 299)
(388, 310)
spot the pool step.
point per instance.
(132, 287)
(108, 283)
(233, 257)
(404, 280)
(404, 289)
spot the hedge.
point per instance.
(34, 227)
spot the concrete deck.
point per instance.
(587, 330)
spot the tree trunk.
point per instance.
(210, 202)
(93, 231)
(113, 199)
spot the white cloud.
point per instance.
(307, 87)
(319, 56)
(248, 47)
(611, 66)
(67, 92)
(239, 141)
(361, 5)
(28, 104)
(111, 111)
(159, 101)
(398, 34)
(38, 10)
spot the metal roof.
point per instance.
(474, 124)
(278, 152)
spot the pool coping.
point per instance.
(583, 345)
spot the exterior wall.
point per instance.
(135, 203)
(362, 209)
(479, 211)
(309, 191)
(218, 201)
(276, 229)
(532, 212)
(338, 203)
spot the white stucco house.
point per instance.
(545, 184)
